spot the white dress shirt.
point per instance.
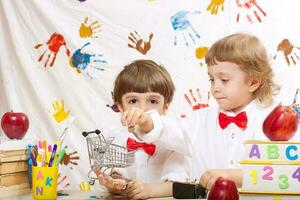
(208, 146)
(164, 164)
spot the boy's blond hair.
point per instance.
(143, 76)
(248, 52)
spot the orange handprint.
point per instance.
(249, 6)
(138, 43)
(196, 104)
(287, 48)
(89, 31)
(214, 5)
(53, 45)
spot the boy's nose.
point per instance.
(215, 89)
(144, 107)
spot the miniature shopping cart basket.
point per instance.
(104, 154)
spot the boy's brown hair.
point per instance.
(248, 52)
(143, 76)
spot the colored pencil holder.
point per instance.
(44, 182)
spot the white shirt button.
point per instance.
(232, 135)
(231, 162)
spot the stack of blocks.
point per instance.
(271, 170)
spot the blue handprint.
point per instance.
(182, 26)
(82, 61)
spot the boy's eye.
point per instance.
(153, 101)
(211, 79)
(132, 101)
(224, 80)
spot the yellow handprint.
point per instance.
(85, 188)
(59, 112)
(89, 31)
(214, 5)
(200, 53)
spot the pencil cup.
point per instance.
(44, 182)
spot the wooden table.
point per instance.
(94, 195)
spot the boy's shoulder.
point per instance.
(210, 111)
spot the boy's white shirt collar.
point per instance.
(250, 109)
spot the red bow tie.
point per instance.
(147, 147)
(240, 120)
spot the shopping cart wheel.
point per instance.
(92, 181)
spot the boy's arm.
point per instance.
(166, 132)
(210, 176)
(139, 190)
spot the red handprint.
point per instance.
(249, 5)
(53, 45)
(196, 105)
(62, 180)
(287, 48)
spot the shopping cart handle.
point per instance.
(84, 133)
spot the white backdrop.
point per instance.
(32, 86)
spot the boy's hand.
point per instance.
(138, 190)
(136, 116)
(117, 186)
(210, 176)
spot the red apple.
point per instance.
(223, 189)
(281, 124)
(14, 124)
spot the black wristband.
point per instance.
(188, 191)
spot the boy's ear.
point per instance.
(120, 107)
(166, 107)
(254, 83)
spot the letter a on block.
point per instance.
(39, 175)
(48, 181)
(39, 190)
(254, 151)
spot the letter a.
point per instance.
(254, 151)
(39, 175)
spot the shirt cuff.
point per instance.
(155, 133)
(175, 177)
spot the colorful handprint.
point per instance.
(53, 45)
(196, 104)
(288, 51)
(214, 5)
(138, 43)
(200, 53)
(89, 30)
(251, 7)
(59, 112)
(183, 27)
(82, 61)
